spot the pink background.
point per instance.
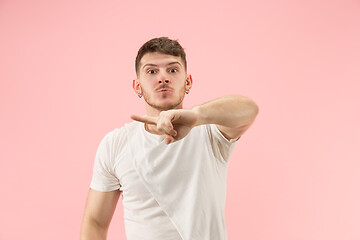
(66, 69)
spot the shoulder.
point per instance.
(118, 134)
(114, 143)
(113, 135)
(114, 138)
(118, 137)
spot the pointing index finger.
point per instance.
(144, 119)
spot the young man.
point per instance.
(170, 165)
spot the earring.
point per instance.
(187, 91)
(139, 95)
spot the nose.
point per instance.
(165, 81)
(164, 78)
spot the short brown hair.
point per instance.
(161, 45)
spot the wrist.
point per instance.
(199, 115)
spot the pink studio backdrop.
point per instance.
(65, 81)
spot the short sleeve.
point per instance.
(104, 178)
(220, 145)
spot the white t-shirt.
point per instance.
(170, 192)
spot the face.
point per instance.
(162, 80)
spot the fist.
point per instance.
(175, 124)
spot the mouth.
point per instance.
(164, 90)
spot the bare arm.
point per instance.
(100, 207)
(233, 114)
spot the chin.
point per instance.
(167, 105)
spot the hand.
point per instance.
(175, 124)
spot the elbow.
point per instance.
(250, 104)
(252, 112)
(253, 108)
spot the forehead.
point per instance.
(159, 59)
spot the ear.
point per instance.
(188, 82)
(136, 86)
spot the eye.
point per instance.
(151, 71)
(173, 70)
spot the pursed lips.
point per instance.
(164, 90)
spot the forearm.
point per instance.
(90, 230)
(229, 111)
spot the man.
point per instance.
(170, 165)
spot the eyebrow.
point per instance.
(154, 65)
